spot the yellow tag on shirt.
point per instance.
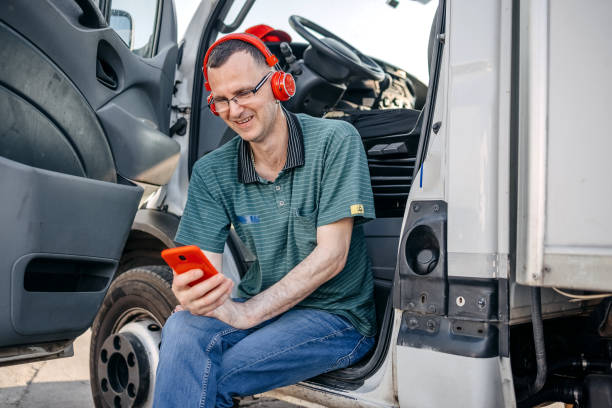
(357, 209)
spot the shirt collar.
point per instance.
(295, 151)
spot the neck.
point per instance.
(271, 153)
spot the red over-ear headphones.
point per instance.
(283, 84)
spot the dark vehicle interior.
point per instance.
(386, 104)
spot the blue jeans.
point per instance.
(204, 362)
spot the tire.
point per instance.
(139, 296)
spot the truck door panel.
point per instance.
(62, 238)
(80, 117)
(108, 76)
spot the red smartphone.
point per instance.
(185, 258)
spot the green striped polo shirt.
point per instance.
(326, 178)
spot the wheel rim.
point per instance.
(128, 359)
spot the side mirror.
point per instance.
(121, 22)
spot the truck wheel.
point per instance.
(125, 337)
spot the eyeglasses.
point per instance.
(222, 104)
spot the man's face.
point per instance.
(253, 119)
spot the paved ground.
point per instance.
(64, 383)
(53, 383)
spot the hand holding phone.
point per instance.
(186, 258)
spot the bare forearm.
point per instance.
(317, 268)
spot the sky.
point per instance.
(396, 35)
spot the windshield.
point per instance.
(398, 36)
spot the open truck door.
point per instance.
(85, 92)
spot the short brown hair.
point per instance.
(221, 53)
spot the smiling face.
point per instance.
(255, 119)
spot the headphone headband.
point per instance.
(271, 59)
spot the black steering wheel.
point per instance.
(335, 48)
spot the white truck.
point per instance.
(492, 247)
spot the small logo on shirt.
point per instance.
(357, 209)
(248, 219)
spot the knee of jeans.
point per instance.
(174, 327)
(184, 327)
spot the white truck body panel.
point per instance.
(422, 384)
(467, 165)
(477, 136)
(565, 192)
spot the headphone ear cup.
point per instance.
(211, 106)
(283, 85)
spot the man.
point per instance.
(295, 188)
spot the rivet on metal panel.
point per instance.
(411, 305)
(431, 325)
(431, 308)
(413, 323)
(482, 302)
(416, 207)
(460, 301)
(436, 127)
(546, 269)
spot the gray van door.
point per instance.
(84, 112)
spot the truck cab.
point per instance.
(491, 250)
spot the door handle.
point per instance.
(106, 75)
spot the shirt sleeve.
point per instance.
(205, 222)
(345, 186)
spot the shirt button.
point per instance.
(278, 188)
(281, 203)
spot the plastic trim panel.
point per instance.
(56, 215)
